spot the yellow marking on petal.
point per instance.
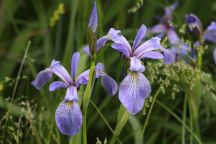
(134, 76)
(69, 104)
(1, 87)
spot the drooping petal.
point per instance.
(109, 84)
(214, 55)
(133, 90)
(139, 36)
(136, 65)
(152, 55)
(210, 33)
(159, 28)
(84, 77)
(71, 94)
(168, 56)
(61, 72)
(152, 44)
(74, 63)
(180, 51)
(102, 41)
(41, 78)
(124, 43)
(56, 85)
(93, 21)
(68, 117)
(173, 37)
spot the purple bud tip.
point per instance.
(175, 5)
(93, 22)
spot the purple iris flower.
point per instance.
(135, 87)
(102, 41)
(194, 24)
(93, 22)
(166, 25)
(68, 115)
(210, 35)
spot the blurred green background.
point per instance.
(27, 115)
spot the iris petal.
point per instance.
(56, 85)
(74, 63)
(41, 78)
(61, 72)
(152, 44)
(214, 55)
(139, 36)
(71, 94)
(133, 90)
(136, 65)
(210, 33)
(168, 56)
(173, 37)
(109, 84)
(152, 55)
(159, 28)
(68, 118)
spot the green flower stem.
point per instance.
(179, 119)
(86, 98)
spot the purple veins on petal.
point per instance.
(133, 90)
(210, 33)
(152, 55)
(41, 78)
(71, 94)
(149, 45)
(121, 48)
(214, 55)
(93, 22)
(136, 65)
(68, 117)
(56, 85)
(74, 63)
(61, 72)
(140, 35)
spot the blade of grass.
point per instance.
(184, 117)
(179, 120)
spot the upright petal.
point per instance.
(61, 72)
(71, 94)
(136, 65)
(100, 67)
(139, 36)
(74, 63)
(56, 85)
(152, 44)
(159, 28)
(68, 117)
(210, 33)
(123, 41)
(133, 90)
(169, 10)
(41, 78)
(93, 22)
(173, 37)
(152, 55)
(214, 55)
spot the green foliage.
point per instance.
(167, 116)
